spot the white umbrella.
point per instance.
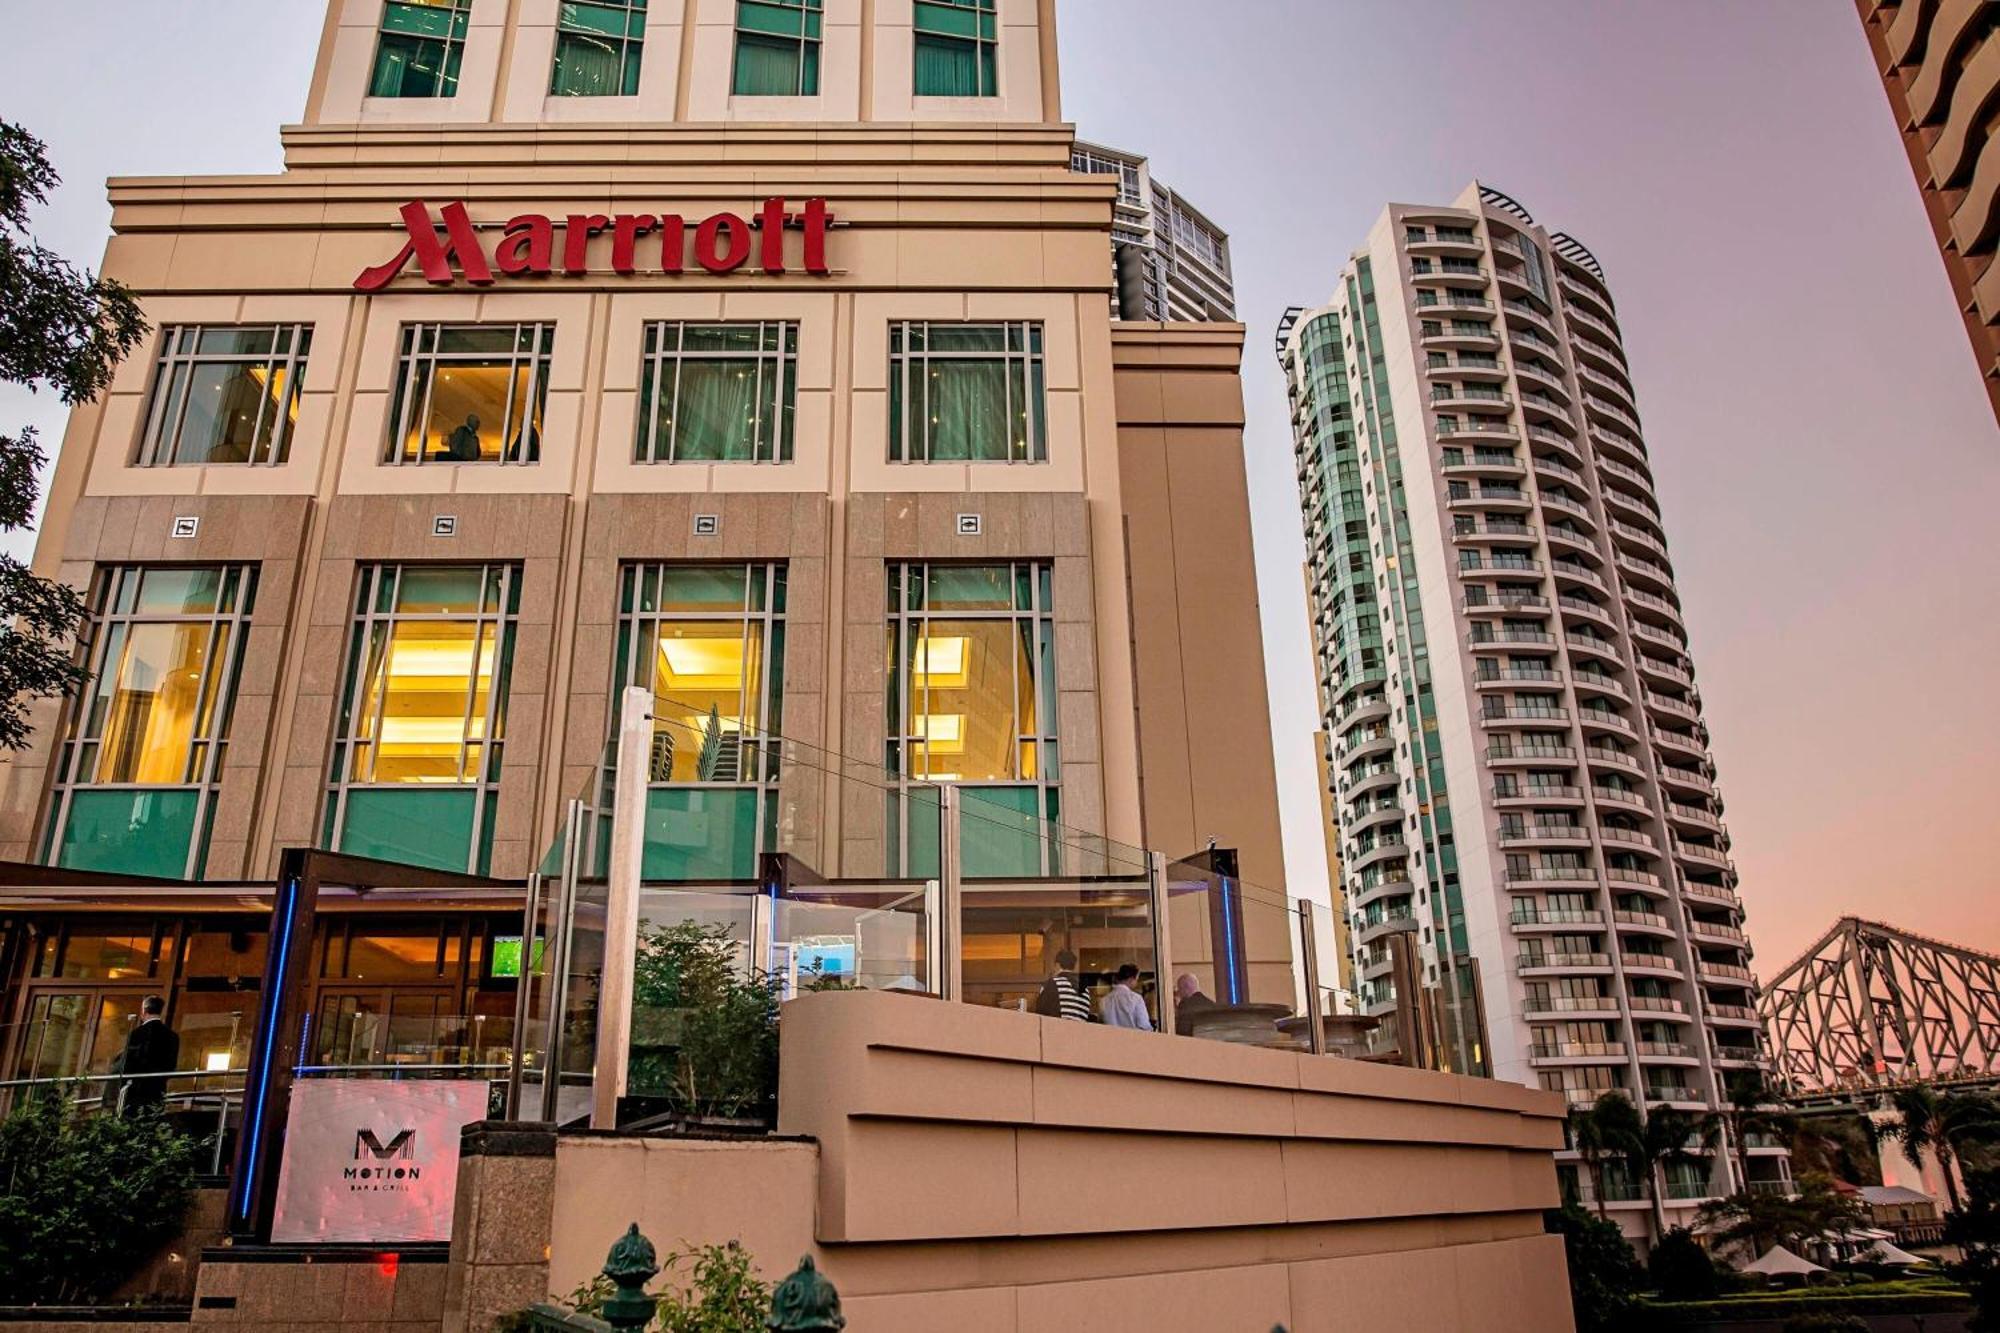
(1781, 1262)
(1887, 1255)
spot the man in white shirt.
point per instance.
(1123, 1006)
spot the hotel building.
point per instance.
(760, 353)
(1519, 768)
(1940, 65)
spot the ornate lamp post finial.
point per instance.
(631, 1264)
(806, 1302)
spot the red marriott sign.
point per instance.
(448, 246)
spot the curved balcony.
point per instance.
(1450, 273)
(1546, 410)
(1710, 932)
(1364, 894)
(1603, 684)
(1912, 20)
(1510, 678)
(1638, 839)
(1534, 877)
(1494, 530)
(1359, 745)
(1360, 821)
(1651, 576)
(1367, 932)
(1381, 777)
(1460, 333)
(1479, 430)
(1550, 467)
(1565, 1008)
(1374, 706)
(1588, 610)
(1629, 502)
(1488, 497)
(1738, 1057)
(1515, 638)
(1557, 1054)
(1536, 319)
(1687, 779)
(1709, 858)
(1618, 393)
(1642, 923)
(1694, 816)
(1964, 129)
(1547, 380)
(1578, 573)
(1433, 244)
(1588, 349)
(1456, 395)
(1662, 669)
(1525, 717)
(1645, 964)
(1644, 879)
(1558, 964)
(1576, 511)
(1734, 974)
(1572, 540)
(1936, 76)
(1604, 720)
(1510, 604)
(1549, 834)
(1492, 568)
(1557, 440)
(1545, 920)
(1665, 1053)
(1733, 1016)
(1649, 604)
(1619, 447)
(1482, 463)
(1711, 893)
(1559, 795)
(1640, 537)
(1382, 853)
(1681, 746)
(1977, 217)
(1595, 303)
(1623, 800)
(1448, 301)
(1660, 1007)
(1604, 650)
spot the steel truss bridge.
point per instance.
(1870, 1007)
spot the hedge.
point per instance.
(1784, 1305)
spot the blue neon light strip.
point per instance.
(267, 1032)
(1232, 974)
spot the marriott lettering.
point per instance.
(535, 245)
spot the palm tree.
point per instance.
(1663, 1140)
(1950, 1127)
(1751, 1106)
(1609, 1128)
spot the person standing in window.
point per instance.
(153, 1048)
(1124, 1007)
(1062, 994)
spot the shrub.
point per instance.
(714, 1044)
(1604, 1274)
(1681, 1270)
(85, 1200)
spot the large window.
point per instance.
(598, 46)
(416, 755)
(421, 44)
(967, 393)
(972, 700)
(225, 395)
(718, 393)
(470, 393)
(957, 43)
(135, 784)
(777, 48)
(709, 642)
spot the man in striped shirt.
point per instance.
(1062, 995)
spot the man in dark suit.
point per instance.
(152, 1048)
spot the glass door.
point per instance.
(74, 1033)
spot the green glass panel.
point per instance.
(610, 20)
(416, 826)
(179, 592)
(130, 832)
(777, 19)
(919, 808)
(970, 587)
(699, 588)
(700, 833)
(419, 19)
(1000, 832)
(439, 589)
(946, 66)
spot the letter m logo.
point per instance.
(403, 1145)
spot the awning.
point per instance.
(1781, 1262)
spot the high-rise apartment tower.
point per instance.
(1175, 262)
(1940, 64)
(1519, 765)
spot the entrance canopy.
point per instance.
(1781, 1262)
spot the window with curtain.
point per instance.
(957, 45)
(718, 393)
(418, 50)
(967, 393)
(415, 769)
(972, 700)
(598, 47)
(470, 393)
(138, 771)
(225, 395)
(777, 48)
(709, 642)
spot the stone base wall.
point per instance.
(500, 1225)
(319, 1291)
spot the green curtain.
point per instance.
(767, 67)
(946, 68)
(715, 411)
(586, 67)
(968, 410)
(390, 61)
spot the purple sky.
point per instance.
(1826, 459)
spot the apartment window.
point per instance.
(718, 393)
(225, 394)
(777, 48)
(972, 700)
(709, 642)
(415, 770)
(598, 46)
(957, 44)
(470, 393)
(419, 49)
(967, 393)
(136, 778)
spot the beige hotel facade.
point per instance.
(372, 562)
